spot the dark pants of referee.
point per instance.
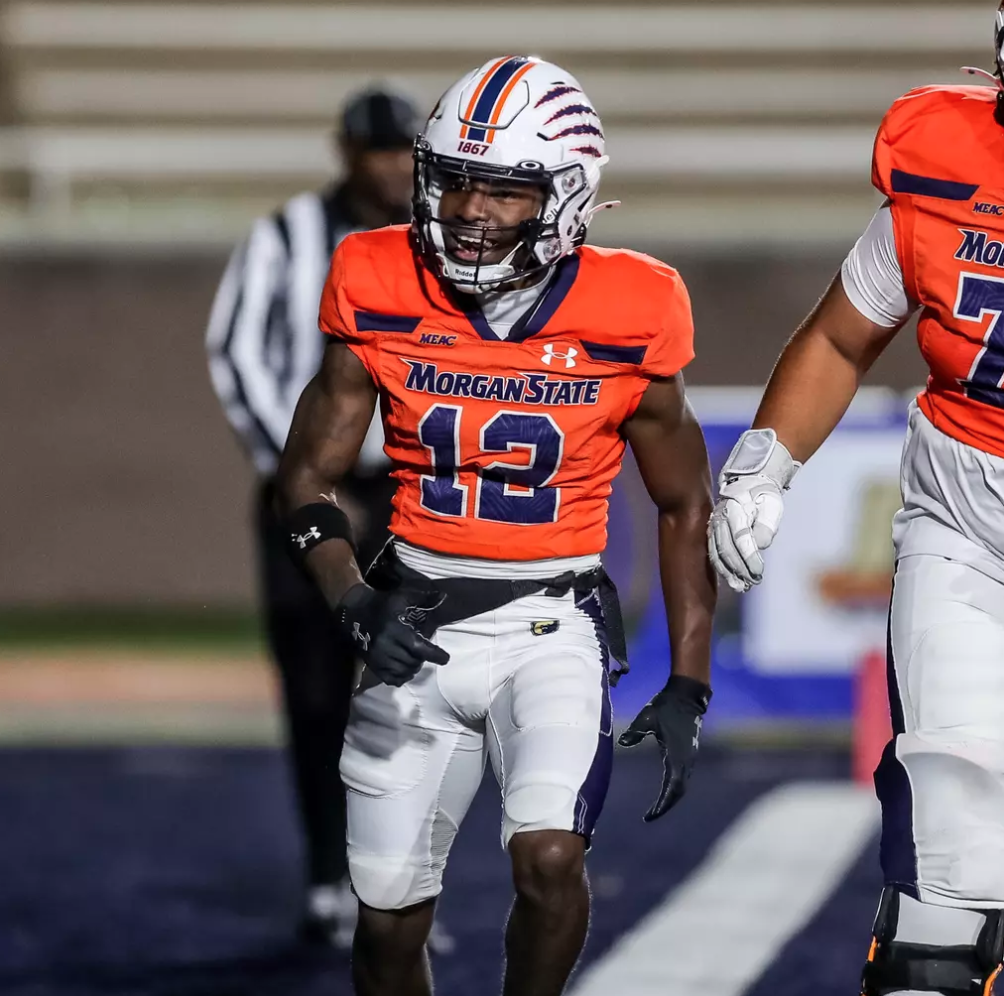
(316, 670)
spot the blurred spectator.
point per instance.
(264, 346)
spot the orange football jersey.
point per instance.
(939, 158)
(506, 449)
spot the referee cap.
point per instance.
(380, 118)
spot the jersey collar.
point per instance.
(536, 317)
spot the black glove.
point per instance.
(381, 627)
(674, 717)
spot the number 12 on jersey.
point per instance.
(516, 493)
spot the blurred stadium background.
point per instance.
(146, 835)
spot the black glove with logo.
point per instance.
(674, 718)
(381, 625)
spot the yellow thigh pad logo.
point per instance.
(544, 626)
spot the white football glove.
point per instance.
(746, 518)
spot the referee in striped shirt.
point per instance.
(264, 346)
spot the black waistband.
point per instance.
(462, 598)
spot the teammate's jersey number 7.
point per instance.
(980, 296)
(517, 493)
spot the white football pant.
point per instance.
(941, 780)
(526, 688)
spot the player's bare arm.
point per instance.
(819, 372)
(328, 430)
(815, 378)
(669, 447)
(329, 426)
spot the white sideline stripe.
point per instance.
(715, 153)
(416, 26)
(264, 93)
(763, 880)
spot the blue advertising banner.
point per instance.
(785, 653)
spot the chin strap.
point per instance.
(483, 277)
(986, 74)
(605, 206)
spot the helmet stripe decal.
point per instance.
(490, 93)
(468, 114)
(572, 109)
(579, 129)
(556, 91)
(500, 103)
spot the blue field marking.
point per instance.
(175, 872)
(826, 956)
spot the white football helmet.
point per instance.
(516, 118)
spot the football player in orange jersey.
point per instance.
(512, 363)
(936, 245)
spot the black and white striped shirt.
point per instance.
(263, 341)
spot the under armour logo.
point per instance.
(312, 533)
(414, 615)
(698, 723)
(551, 354)
(360, 637)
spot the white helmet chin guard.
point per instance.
(516, 119)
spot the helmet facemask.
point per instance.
(999, 43)
(457, 252)
(998, 76)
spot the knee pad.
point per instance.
(957, 798)
(549, 798)
(392, 883)
(917, 947)
(538, 805)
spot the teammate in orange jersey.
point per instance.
(937, 245)
(511, 363)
